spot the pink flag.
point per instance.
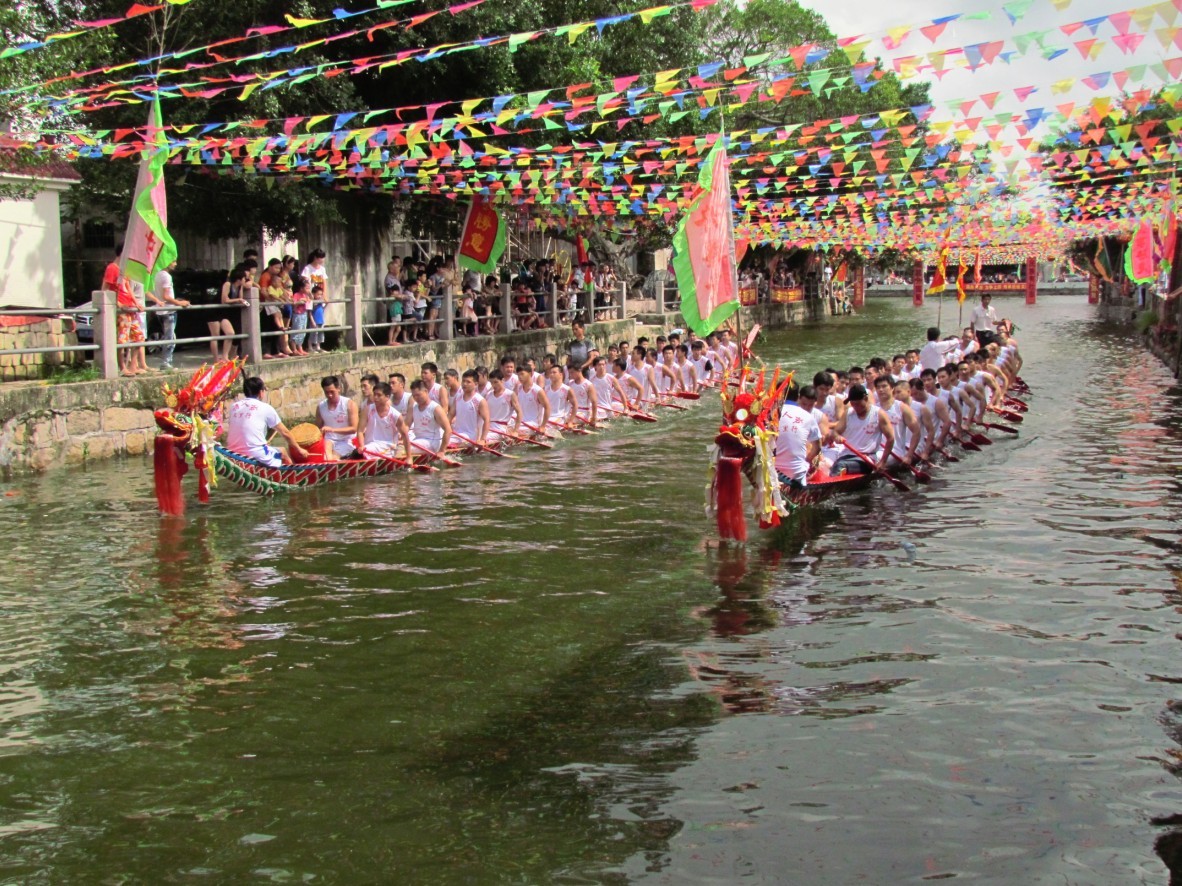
(703, 250)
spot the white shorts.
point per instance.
(269, 457)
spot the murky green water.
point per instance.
(540, 671)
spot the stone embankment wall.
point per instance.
(44, 426)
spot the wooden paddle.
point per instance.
(921, 475)
(481, 446)
(635, 416)
(574, 429)
(1008, 415)
(967, 444)
(948, 455)
(664, 403)
(997, 427)
(1015, 403)
(895, 481)
(687, 395)
(506, 433)
(435, 456)
(544, 432)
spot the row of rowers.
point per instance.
(901, 412)
(479, 407)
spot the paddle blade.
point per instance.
(643, 416)
(687, 395)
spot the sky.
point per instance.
(861, 17)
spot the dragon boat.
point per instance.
(190, 424)
(744, 450)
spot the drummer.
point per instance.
(248, 422)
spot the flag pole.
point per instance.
(734, 265)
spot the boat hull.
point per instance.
(266, 480)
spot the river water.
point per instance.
(544, 670)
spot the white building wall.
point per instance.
(31, 248)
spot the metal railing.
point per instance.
(253, 339)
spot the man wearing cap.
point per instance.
(867, 429)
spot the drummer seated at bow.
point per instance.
(798, 442)
(248, 422)
(336, 416)
(868, 430)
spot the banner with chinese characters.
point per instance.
(483, 242)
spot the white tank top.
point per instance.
(829, 407)
(402, 404)
(531, 405)
(426, 429)
(467, 421)
(379, 429)
(513, 383)
(583, 392)
(664, 382)
(335, 418)
(638, 373)
(921, 410)
(902, 433)
(436, 392)
(500, 408)
(558, 403)
(603, 391)
(688, 376)
(700, 368)
(863, 433)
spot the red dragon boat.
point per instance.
(744, 454)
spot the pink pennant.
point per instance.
(1121, 21)
(934, 30)
(1128, 43)
(1024, 92)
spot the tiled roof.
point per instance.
(16, 159)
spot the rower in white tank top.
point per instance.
(424, 426)
(559, 405)
(703, 373)
(342, 443)
(829, 407)
(467, 420)
(864, 434)
(500, 409)
(902, 433)
(381, 432)
(583, 391)
(603, 394)
(531, 405)
(379, 429)
(436, 393)
(513, 383)
(401, 404)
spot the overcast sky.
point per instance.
(861, 17)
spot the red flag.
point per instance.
(939, 276)
(483, 240)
